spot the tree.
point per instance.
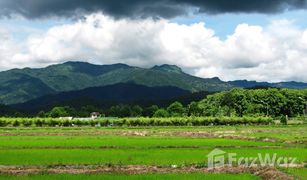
(85, 111)
(41, 114)
(149, 111)
(125, 111)
(161, 113)
(272, 101)
(211, 105)
(136, 111)
(194, 109)
(114, 111)
(235, 99)
(120, 111)
(62, 112)
(176, 109)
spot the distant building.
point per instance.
(95, 115)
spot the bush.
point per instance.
(27, 122)
(16, 123)
(3, 123)
(66, 123)
(161, 113)
(52, 122)
(140, 121)
(39, 122)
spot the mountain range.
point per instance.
(105, 96)
(77, 80)
(21, 85)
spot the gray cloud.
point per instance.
(142, 8)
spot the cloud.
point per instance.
(271, 53)
(141, 8)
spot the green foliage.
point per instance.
(176, 109)
(194, 109)
(85, 111)
(136, 111)
(21, 85)
(149, 111)
(284, 120)
(16, 123)
(62, 112)
(3, 123)
(147, 176)
(27, 122)
(41, 114)
(244, 102)
(137, 121)
(161, 113)
(39, 122)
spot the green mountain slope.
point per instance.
(105, 96)
(21, 85)
(16, 87)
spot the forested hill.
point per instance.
(251, 84)
(104, 97)
(22, 85)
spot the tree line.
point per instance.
(257, 102)
(239, 102)
(175, 109)
(236, 102)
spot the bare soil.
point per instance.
(267, 173)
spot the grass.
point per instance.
(300, 173)
(181, 176)
(162, 146)
(155, 156)
(124, 142)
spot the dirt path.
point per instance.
(267, 173)
(196, 134)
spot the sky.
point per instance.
(243, 39)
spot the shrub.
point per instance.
(16, 123)
(52, 122)
(39, 123)
(66, 123)
(140, 121)
(3, 123)
(161, 113)
(27, 123)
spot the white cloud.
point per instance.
(273, 53)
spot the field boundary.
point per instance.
(262, 172)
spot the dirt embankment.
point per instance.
(268, 173)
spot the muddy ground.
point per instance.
(268, 173)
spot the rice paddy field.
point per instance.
(149, 152)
